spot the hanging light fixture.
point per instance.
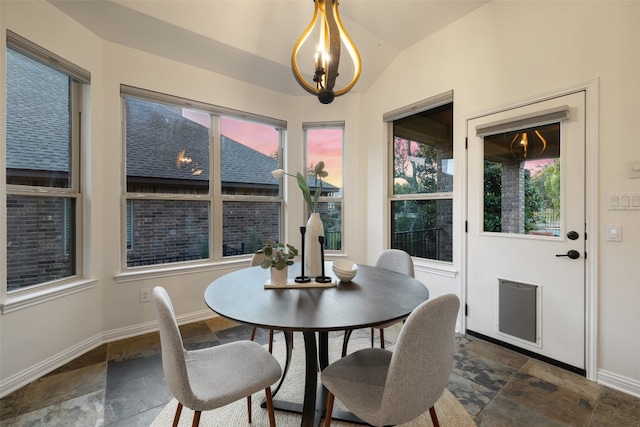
(520, 145)
(327, 56)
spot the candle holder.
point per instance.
(302, 278)
(323, 278)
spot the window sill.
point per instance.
(177, 270)
(435, 267)
(35, 296)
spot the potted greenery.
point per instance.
(277, 256)
(315, 227)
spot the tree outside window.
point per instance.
(422, 202)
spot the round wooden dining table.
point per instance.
(373, 297)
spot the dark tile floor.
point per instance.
(121, 384)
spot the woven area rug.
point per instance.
(450, 411)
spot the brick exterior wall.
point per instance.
(513, 197)
(37, 243)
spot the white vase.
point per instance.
(312, 255)
(279, 276)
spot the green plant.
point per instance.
(277, 255)
(319, 173)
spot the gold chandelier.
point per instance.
(327, 56)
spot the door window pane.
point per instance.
(522, 181)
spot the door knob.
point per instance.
(571, 254)
(573, 235)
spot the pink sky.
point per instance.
(323, 144)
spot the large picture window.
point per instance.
(199, 182)
(324, 143)
(44, 202)
(421, 198)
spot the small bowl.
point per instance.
(345, 270)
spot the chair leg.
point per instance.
(434, 417)
(176, 419)
(272, 416)
(381, 337)
(373, 333)
(253, 333)
(345, 341)
(249, 407)
(270, 340)
(196, 419)
(327, 416)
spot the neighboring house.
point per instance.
(166, 153)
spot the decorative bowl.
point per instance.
(345, 270)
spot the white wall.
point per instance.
(499, 54)
(509, 51)
(39, 338)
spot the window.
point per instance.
(422, 180)
(324, 142)
(42, 165)
(522, 181)
(199, 182)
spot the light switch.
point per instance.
(624, 201)
(614, 233)
(634, 169)
(614, 201)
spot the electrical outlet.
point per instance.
(145, 295)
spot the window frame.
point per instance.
(389, 118)
(78, 102)
(215, 195)
(306, 126)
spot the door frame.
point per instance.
(591, 89)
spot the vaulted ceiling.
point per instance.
(252, 40)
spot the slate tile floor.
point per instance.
(121, 384)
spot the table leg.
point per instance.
(288, 340)
(310, 380)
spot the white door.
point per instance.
(525, 285)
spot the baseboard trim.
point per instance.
(20, 379)
(618, 382)
(528, 353)
(14, 382)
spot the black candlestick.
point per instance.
(323, 278)
(302, 278)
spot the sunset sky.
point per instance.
(322, 144)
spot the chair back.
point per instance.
(173, 353)
(422, 360)
(396, 260)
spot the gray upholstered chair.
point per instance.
(390, 259)
(212, 377)
(399, 261)
(389, 388)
